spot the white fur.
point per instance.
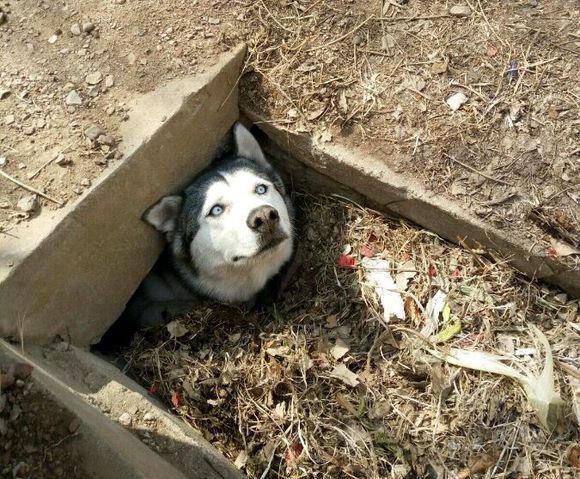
(220, 239)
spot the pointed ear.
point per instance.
(163, 215)
(247, 146)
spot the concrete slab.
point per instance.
(71, 273)
(368, 180)
(153, 444)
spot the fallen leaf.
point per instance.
(175, 399)
(176, 329)
(456, 274)
(434, 307)
(479, 465)
(367, 251)
(241, 460)
(552, 252)
(331, 321)
(491, 50)
(339, 349)
(381, 280)
(574, 456)
(345, 375)
(440, 67)
(346, 261)
(345, 404)
(563, 249)
(281, 351)
(432, 271)
(293, 453)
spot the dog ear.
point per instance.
(163, 215)
(247, 146)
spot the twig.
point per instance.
(412, 19)
(471, 168)
(30, 188)
(46, 163)
(342, 37)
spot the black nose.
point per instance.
(263, 218)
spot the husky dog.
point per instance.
(228, 235)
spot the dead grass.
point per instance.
(320, 386)
(376, 74)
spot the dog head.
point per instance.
(235, 215)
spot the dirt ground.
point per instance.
(372, 74)
(320, 385)
(35, 432)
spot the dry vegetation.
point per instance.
(320, 386)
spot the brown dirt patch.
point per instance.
(264, 388)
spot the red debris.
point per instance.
(432, 271)
(367, 251)
(346, 261)
(175, 399)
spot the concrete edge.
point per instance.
(391, 192)
(110, 445)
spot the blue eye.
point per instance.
(216, 210)
(261, 189)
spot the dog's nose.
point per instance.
(263, 218)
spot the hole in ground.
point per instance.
(318, 385)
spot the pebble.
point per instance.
(73, 98)
(125, 419)
(460, 11)
(85, 182)
(88, 27)
(93, 132)
(9, 119)
(456, 100)
(106, 140)
(149, 416)
(28, 130)
(109, 81)
(94, 78)
(27, 204)
(21, 166)
(213, 21)
(110, 110)
(52, 39)
(75, 29)
(40, 123)
(131, 58)
(3, 161)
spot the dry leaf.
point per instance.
(563, 249)
(281, 351)
(176, 329)
(381, 280)
(345, 375)
(339, 349)
(479, 465)
(440, 67)
(241, 460)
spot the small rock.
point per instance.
(131, 58)
(106, 140)
(14, 413)
(73, 99)
(125, 419)
(9, 119)
(460, 11)
(3, 161)
(358, 39)
(94, 78)
(52, 39)
(88, 27)
(93, 91)
(110, 110)
(85, 182)
(213, 21)
(62, 160)
(28, 130)
(456, 100)
(19, 383)
(77, 190)
(27, 204)
(93, 132)
(21, 166)
(149, 416)
(75, 29)
(109, 81)
(40, 123)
